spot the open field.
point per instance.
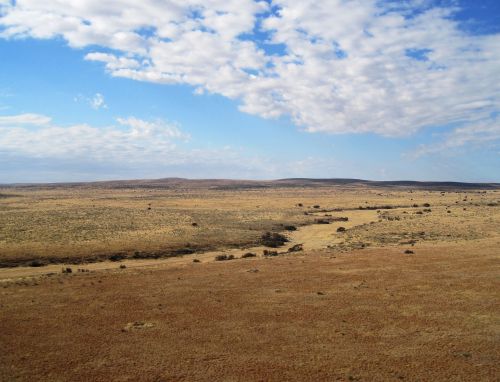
(408, 291)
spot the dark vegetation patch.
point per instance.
(37, 263)
(224, 257)
(273, 239)
(341, 229)
(267, 253)
(296, 248)
(248, 254)
(322, 221)
(290, 228)
(386, 207)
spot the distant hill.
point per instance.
(232, 184)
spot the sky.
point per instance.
(244, 89)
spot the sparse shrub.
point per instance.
(448, 211)
(67, 270)
(194, 224)
(300, 205)
(415, 205)
(268, 253)
(426, 205)
(419, 212)
(322, 221)
(224, 257)
(341, 219)
(290, 228)
(123, 266)
(117, 257)
(409, 252)
(341, 229)
(273, 240)
(316, 206)
(295, 248)
(196, 261)
(37, 263)
(248, 254)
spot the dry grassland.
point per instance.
(404, 293)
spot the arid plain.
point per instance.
(325, 281)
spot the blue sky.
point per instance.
(245, 89)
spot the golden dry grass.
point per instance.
(352, 306)
(91, 222)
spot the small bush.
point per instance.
(123, 266)
(268, 253)
(290, 228)
(316, 206)
(224, 257)
(248, 254)
(300, 205)
(409, 252)
(295, 248)
(37, 263)
(196, 261)
(322, 221)
(117, 257)
(341, 229)
(194, 224)
(426, 205)
(67, 270)
(273, 240)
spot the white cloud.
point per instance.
(97, 102)
(136, 141)
(478, 135)
(24, 119)
(390, 68)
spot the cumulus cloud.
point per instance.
(484, 133)
(336, 66)
(132, 141)
(97, 102)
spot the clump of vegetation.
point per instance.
(194, 224)
(123, 266)
(300, 205)
(67, 270)
(273, 240)
(267, 253)
(341, 229)
(409, 252)
(341, 219)
(117, 257)
(224, 257)
(37, 263)
(322, 221)
(248, 254)
(290, 228)
(316, 206)
(196, 261)
(426, 205)
(296, 248)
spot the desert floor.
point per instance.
(352, 305)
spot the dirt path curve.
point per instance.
(312, 237)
